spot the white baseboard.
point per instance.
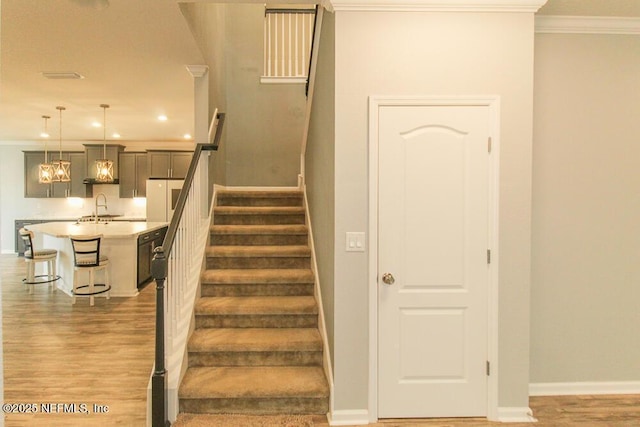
(350, 417)
(578, 388)
(512, 414)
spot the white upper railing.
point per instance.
(287, 45)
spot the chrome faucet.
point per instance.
(104, 205)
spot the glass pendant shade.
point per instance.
(45, 171)
(104, 166)
(104, 170)
(61, 168)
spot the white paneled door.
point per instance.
(433, 267)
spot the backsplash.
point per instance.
(75, 207)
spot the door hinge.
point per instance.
(489, 145)
(488, 368)
(488, 256)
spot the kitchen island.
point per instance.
(119, 243)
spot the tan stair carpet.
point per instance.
(200, 420)
(256, 348)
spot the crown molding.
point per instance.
(587, 25)
(530, 6)
(197, 70)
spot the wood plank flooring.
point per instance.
(58, 353)
(55, 352)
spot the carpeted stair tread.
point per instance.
(256, 347)
(254, 382)
(258, 251)
(255, 339)
(260, 229)
(258, 210)
(260, 198)
(239, 420)
(241, 276)
(271, 305)
(258, 193)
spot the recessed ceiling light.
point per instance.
(187, 136)
(44, 135)
(96, 125)
(62, 75)
(116, 135)
(162, 118)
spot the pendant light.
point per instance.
(104, 166)
(61, 168)
(45, 171)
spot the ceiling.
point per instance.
(621, 8)
(133, 56)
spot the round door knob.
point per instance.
(388, 279)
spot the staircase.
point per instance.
(256, 348)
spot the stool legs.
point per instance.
(92, 281)
(107, 281)
(91, 286)
(52, 273)
(50, 277)
(75, 286)
(31, 275)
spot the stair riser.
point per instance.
(256, 406)
(259, 201)
(256, 358)
(257, 321)
(257, 262)
(257, 239)
(239, 219)
(271, 289)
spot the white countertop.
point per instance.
(113, 229)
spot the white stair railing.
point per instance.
(287, 44)
(178, 263)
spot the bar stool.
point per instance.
(33, 256)
(87, 257)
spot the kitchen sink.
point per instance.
(101, 218)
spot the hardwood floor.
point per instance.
(550, 411)
(58, 353)
(55, 352)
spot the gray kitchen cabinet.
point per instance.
(169, 164)
(60, 189)
(77, 188)
(74, 188)
(146, 244)
(32, 188)
(95, 152)
(133, 174)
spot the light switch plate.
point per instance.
(355, 242)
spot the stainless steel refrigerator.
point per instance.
(162, 197)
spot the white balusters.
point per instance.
(287, 39)
(183, 275)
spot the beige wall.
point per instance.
(380, 53)
(320, 171)
(208, 26)
(585, 296)
(264, 123)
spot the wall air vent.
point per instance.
(61, 76)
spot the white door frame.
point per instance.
(493, 103)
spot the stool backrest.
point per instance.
(86, 250)
(27, 239)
